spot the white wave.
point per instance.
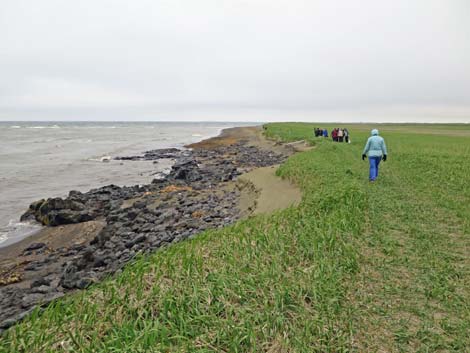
(3, 237)
(105, 158)
(196, 135)
(15, 127)
(18, 230)
(44, 127)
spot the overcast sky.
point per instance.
(368, 60)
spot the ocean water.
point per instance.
(48, 159)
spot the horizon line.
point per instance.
(234, 121)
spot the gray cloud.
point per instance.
(240, 60)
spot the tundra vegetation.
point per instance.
(355, 267)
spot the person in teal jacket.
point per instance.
(376, 150)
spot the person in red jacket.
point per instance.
(334, 135)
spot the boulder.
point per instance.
(57, 211)
(41, 281)
(186, 169)
(35, 246)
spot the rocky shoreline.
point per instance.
(107, 227)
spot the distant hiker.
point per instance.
(325, 133)
(340, 135)
(334, 135)
(315, 131)
(346, 135)
(376, 150)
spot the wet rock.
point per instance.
(40, 282)
(29, 215)
(186, 169)
(57, 211)
(132, 213)
(99, 262)
(33, 266)
(35, 246)
(55, 218)
(154, 155)
(140, 239)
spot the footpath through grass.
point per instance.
(356, 267)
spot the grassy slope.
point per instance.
(356, 266)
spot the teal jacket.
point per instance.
(375, 146)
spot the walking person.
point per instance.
(334, 135)
(340, 135)
(346, 135)
(376, 150)
(325, 132)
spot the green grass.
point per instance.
(355, 267)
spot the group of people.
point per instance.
(319, 132)
(340, 135)
(337, 134)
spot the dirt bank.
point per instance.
(269, 192)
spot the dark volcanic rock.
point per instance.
(59, 211)
(33, 209)
(32, 299)
(35, 246)
(99, 262)
(41, 281)
(186, 169)
(154, 155)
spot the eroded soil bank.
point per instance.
(267, 192)
(92, 235)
